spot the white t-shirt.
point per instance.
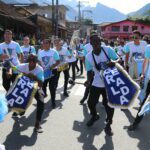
(73, 55)
(87, 48)
(37, 71)
(136, 51)
(100, 59)
(11, 49)
(48, 57)
(63, 54)
(121, 52)
(27, 50)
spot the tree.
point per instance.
(87, 21)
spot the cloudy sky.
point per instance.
(124, 6)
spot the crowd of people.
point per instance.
(54, 57)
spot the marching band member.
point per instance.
(10, 49)
(97, 60)
(49, 59)
(27, 48)
(72, 62)
(35, 72)
(146, 74)
(121, 52)
(87, 48)
(63, 66)
(134, 54)
(79, 52)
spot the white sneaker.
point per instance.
(2, 147)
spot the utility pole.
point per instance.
(79, 7)
(56, 21)
(79, 14)
(53, 18)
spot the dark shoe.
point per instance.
(38, 129)
(132, 127)
(14, 115)
(71, 82)
(92, 120)
(53, 105)
(82, 100)
(108, 131)
(66, 94)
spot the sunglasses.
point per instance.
(135, 37)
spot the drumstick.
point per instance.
(72, 82)
(79, 83)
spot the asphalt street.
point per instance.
(65, 126)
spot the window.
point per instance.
(125, 28)
(103, 29)
(142, 27)
(134, 28)
(115, 28)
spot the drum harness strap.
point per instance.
(96, 65)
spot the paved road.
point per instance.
(65, 127)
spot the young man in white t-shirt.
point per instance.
(134, 53)
(27, 48)
(72, 62)
(87, 48)
(49, 60)
(145, 74)
(98, 60)
(79, 52)
(121, 52)
(35, 72)
(64, 55)
(10, 49)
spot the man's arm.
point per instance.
(20, 56)
(126, 59)
(19, 53)
(144, 66)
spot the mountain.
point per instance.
(40, 2)
(16, 2)
(144, 11)
(102, 13)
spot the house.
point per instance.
(10, 19)
(122, 29)
(45, 13)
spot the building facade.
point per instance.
(44, 19)
(122, 29)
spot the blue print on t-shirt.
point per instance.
(46, 60)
